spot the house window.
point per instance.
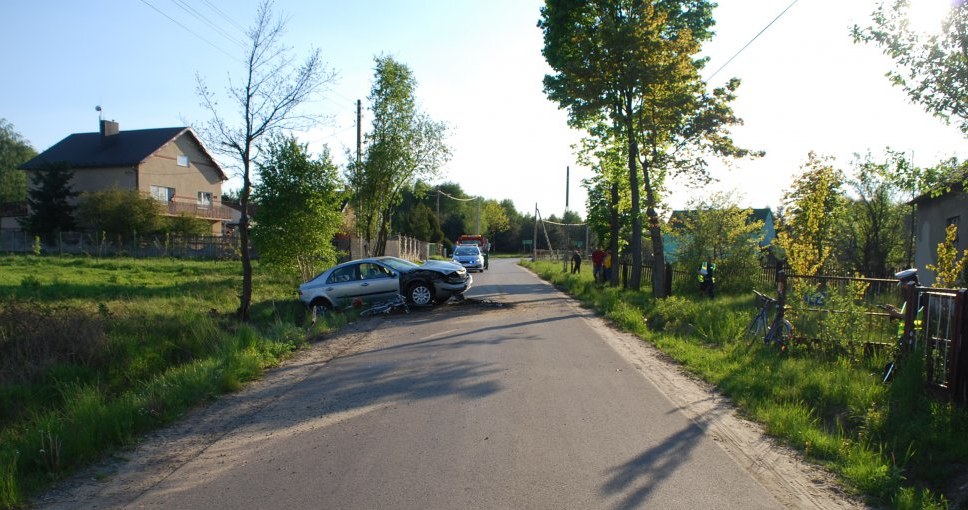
(162, 193)
(204, 198)
(183, 160)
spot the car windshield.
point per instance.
(467, 250)
(399, 264)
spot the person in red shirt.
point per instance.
(598, 258)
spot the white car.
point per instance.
(470, 257)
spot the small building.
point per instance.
(170, 164)
(934, 214)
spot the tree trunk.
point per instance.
(614, 229)
(245, 299)
(636, 245)
(658, 255)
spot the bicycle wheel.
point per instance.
(779, 334)
(757, 327)
(375, 310)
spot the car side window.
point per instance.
(344, 274)
(371, 271)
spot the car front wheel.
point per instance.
(420, 294)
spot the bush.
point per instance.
(35, 336)
(120, 214)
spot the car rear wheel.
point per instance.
(321, 305)
(420, 294)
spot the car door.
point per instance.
(344, 285)
(379, 282)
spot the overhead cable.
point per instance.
(778, 16)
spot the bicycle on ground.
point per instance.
(777, 331)
(398, 302)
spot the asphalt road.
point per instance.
(467, 406)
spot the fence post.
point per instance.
(910, 315)
(668, 280)
(781, 288)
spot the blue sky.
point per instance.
(806, 86)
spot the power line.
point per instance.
(444, 193)
(224, 16)
(204, 19)
(778, 16)
(210, 43)
(564, 224)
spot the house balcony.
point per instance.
(213, 212)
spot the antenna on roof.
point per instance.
(98, 110)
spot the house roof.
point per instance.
(125, 148)
(953, 188)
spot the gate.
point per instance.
(942, 333)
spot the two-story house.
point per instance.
(169, 164)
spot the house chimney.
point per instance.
(109, 128)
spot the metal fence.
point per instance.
(942, 332)
(91, 244)
(813, 303)
(933, 319)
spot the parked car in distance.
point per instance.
(470, 257)
(380, 278)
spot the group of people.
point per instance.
(602, 269)
(601, 264)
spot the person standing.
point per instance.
(607, 267)
(576, 262)
(707, 278)
(598, 258)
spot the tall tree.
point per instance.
(50, 201)
(14, 151)
(268, 100)
(873, 230)
(404, 145)
(609, 196)
(494, 219)
(299, 207)
(933, 67)
(812, 207)
(634, 62)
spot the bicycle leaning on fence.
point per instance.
(779, 331)
(398, 302)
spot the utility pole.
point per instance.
(534, 239)
(479, 215)
(359, 164)
(567, 185)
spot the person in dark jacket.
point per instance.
(707, 278)
(576, 262)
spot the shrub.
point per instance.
(34, 336)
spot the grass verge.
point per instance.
(94, 353)
(891, 443)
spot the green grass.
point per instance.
(96, 352)
(891, 443)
